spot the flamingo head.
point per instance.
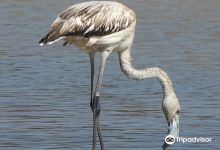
(171, 109)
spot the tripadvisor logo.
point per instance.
(169, 139)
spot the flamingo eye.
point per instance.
(178, 112)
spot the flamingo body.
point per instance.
(94, 26)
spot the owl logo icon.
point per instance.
(169, 139)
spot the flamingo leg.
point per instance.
(91, 98)
(92, 55)
(96, 104)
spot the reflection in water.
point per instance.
(44, 91)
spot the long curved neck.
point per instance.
(155, 72)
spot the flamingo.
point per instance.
(107, 26)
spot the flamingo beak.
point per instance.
(173, 130)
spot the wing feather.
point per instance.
(96, 18)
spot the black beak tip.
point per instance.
(165, 146)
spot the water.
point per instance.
(44, 91)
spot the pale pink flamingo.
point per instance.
(106, 26)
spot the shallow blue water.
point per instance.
(44, 91)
